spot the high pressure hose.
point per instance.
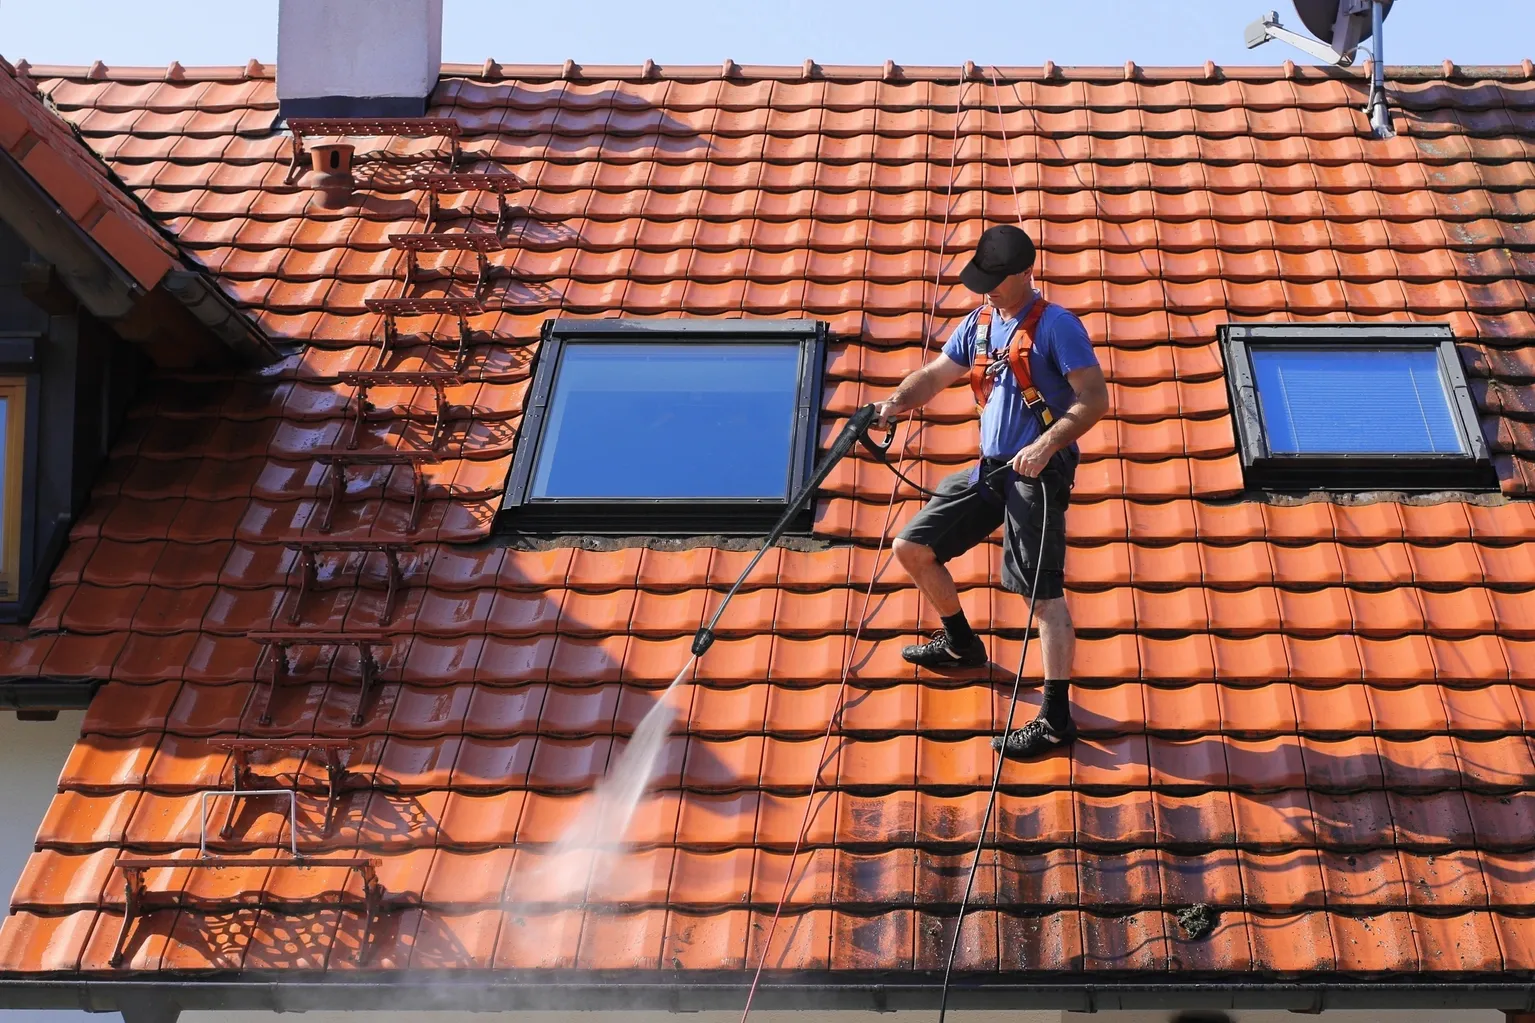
(1012, 706)
(996, 775)
(855, 431)
(840, 447)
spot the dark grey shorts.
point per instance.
(964, 516)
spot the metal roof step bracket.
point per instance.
(461, 307)
(139, 899)
(309, 570)
(438, 185)
(247, 781)
(478, 242)
(278, 643)
(445, 241)
(370, 127)
(438, 381)
(338, 459)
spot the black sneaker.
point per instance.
(939, 653)
(1034, 738)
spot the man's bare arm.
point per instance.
(1089, 403)
(921, 386)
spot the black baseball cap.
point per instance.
(1003, 250)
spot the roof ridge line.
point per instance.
(810, 70)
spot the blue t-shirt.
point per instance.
(1061, 346)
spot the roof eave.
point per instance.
(696, 991)
(215, 311)
(47, 695)
(106, 289)
(92, 276)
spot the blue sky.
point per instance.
(780, 31)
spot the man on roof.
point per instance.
(1038, 387)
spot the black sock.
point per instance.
(1057, 706)
(957, 626)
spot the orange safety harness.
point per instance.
(984, 370)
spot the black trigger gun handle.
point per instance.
(879, 449)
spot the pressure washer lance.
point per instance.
(856, 431)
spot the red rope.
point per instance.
(1012, 176)
(863, 617)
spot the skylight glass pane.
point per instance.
(1353, 401)
(670, 421)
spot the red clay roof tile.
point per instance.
(1308, 714)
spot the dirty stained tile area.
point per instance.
(1305, 725)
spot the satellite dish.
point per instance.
(1343, 24)
(1337, 28)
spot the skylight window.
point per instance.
(666, 427)
(1354, 408)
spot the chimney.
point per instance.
(357, 58)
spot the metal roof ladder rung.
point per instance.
(278, 643)
(478, 242)
(370, 127)
(308, 552)
(337, 459)
(439, 383)
(392, 308)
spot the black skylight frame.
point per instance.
(691, 516)
(1470, 470)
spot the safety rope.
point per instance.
(1028, 629)
(847, 666)
(1007, 150)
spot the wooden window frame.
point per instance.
(12, 508)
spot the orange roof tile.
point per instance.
(1308, 715)
(47, 150)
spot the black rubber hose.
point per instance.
(856, 427)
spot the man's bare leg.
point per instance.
(931, 577)
(957, 646)
(1053, 727)
(1057, 637)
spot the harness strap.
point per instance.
(980, 383)
(982, 378)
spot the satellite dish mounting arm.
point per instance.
(1268, 27)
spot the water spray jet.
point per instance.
(599, 829)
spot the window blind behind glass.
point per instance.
(1354, 401)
